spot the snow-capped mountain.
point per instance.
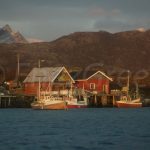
(7, 35)
(33, 40)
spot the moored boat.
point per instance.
(72, 104)
(48, 102)
(126, 101)
(128, 104)
(76, 105)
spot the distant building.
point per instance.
(56, 78)
(91, 81)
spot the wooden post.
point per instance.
(79, 95)
(95, 98)
(39, 89)
(114, 103)
(0, 102)
(5, 102)
(104, 100)
(71, 88)
(83, 86)
(9, 101)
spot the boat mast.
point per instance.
(49, 88)
(137, 90)
(128, 80)
(18, 66)
(39, 66)
(39, 89)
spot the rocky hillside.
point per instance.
(113, 53)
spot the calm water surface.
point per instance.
(83, 129)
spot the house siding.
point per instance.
(56, 82)
(99, 84)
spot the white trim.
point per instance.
(94, 86)
(100, 73)
(69, 74)
(57, 74)
(94, 75)
(63, 68)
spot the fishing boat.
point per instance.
(46, 101)
(76, 99)
(126, 101)
(74, 103)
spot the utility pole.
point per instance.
(39, 62)
(18, 70)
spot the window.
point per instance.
(105, 88)
(92, 86)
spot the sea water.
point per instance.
(75, 129)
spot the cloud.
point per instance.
(111, 25)
(122, 23)
(98, 12)
(49, 19)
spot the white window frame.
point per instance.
(92, 86)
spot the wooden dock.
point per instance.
(12, 101)
(5, 100)
(106, 100)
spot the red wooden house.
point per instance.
(55, 78)
(92, 81)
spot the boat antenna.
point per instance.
(128, 80)
(39, 89)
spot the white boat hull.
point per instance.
(52, 105)
(123, 104)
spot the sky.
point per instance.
(50, 19)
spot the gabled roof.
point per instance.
(46, 74)
(82, 75)
(102, 73)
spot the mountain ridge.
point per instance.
(111, 52)
(7, 35)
